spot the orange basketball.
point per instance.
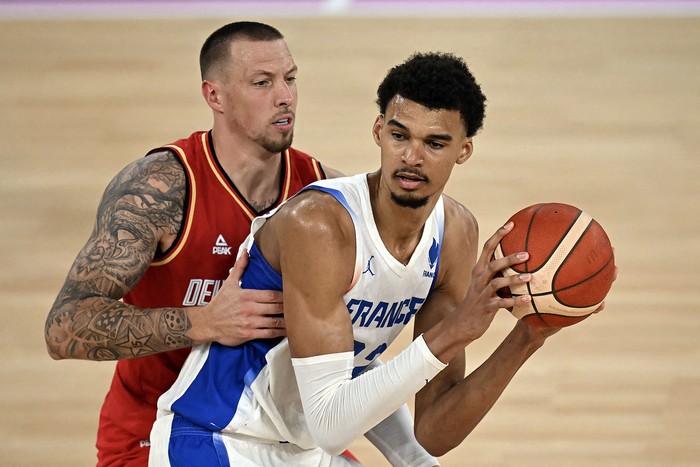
(571, 262)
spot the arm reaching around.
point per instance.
(140, 214)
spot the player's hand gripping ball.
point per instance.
(571, 262)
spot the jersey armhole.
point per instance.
(162, 257)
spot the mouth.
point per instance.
(409, 180)
(284, 123)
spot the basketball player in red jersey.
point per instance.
(167, 231)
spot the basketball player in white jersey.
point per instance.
(360, 257)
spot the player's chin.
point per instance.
(409, 200)
(280, 143)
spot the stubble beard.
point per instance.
(409, 201)
(276, 146)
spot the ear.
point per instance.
(210, 92)
(467, 149)
(377, 129)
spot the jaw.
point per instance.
(276, 143)
(409, 200)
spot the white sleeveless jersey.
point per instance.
(250, 389)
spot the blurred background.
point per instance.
(595, 104)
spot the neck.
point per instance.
(254, 171)
(400, 228)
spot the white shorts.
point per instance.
(176, 442)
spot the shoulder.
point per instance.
(460, 223)
(160, 171)
(305, 233)
(317, 213)
(149, 194)
(459, 246)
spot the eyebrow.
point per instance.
(293, 69)
(444, 137)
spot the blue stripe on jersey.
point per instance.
(440, 213)
(193, 445)
(211, 399)
(228, 370)
(221, 450)
(337, 194)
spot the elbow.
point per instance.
(333, 449)
(56, 337)
(55, 355)
(52, 347)
(437, 452)
(435, 449)
(331, 443)
(436, 445)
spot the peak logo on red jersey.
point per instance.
(221, 247)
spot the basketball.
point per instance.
(571, 262)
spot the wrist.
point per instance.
(531, 338)
(446, 339)
(196, 325)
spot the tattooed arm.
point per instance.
(140, 213)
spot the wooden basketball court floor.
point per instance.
(599, 112)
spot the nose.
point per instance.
(412, 155)
(285, 94)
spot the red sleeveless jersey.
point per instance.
(216, 221)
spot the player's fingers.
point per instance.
(510, 302)
(508, 261)
(270, 333)
(491, 244)
(273, 322)
(267, 327)
(255, 333)
(501, 282)
(236, 272)
(267, 301)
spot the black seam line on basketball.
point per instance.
(533, 304)
(599, 271)
(527, 239)
(572, 249)
(527, 234)
(527, 268)
(541, 294)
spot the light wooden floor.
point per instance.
(600, 113)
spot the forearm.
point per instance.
(395, 439)
(339, 410)
(449, 418)
(101, 328)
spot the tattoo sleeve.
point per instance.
(142, 205)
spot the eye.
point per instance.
(436, 145)
(398, 136)
(261, 84)
(291, 79)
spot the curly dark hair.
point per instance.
(437, 81)
(215, 49)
